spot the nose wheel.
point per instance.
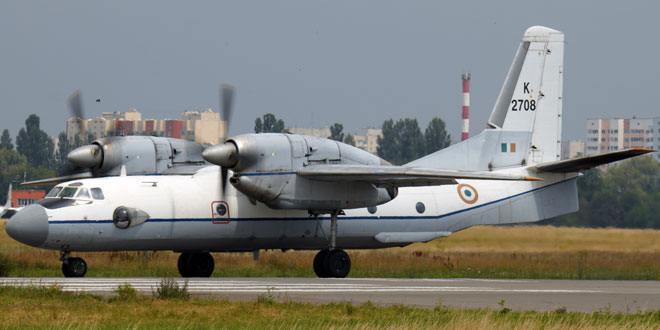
(74, 267)
(197, 264)
(332, 263)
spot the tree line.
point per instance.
(625, 196)
(31, 158)
(401, 141)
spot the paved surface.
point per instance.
(541, 295)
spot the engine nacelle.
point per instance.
(266, 167)
(141, 155)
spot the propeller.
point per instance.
(87, 156)
(226, 154)
(226, 100)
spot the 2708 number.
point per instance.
(526, 105)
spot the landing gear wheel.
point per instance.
(196, 264)
(74, 267)
(183, 263)
(337, 263)
(319, 268)
(334, 263)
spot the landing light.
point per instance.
(125, 217)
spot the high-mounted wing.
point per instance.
(398, 175)
(583, 163)
(59, 179)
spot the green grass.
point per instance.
(50, 308)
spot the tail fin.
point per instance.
(8, 204)
(525, 124)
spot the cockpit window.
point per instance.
(97, 193)
(67, 192)
(53, 192)
(83, 193)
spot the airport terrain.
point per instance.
(517, 252)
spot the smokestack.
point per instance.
(466, 107)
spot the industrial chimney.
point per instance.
(466, 107)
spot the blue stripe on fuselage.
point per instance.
(373, 217)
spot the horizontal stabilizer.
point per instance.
(398, 175)
(583, 163)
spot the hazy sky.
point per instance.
(314, 63)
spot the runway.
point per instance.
(540, 295)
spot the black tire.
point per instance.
(182, 264)
(337, 263)
(74, 267)
(319, 265)
(196, 264)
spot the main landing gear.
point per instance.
(332, 262)
(196, 264)
(73, 267)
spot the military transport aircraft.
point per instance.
(299, 192)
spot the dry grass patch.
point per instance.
(486, 252)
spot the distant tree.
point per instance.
(401, 142)
(411, 140)
(436, 136)
(34, 143)
(336, 132)
(5, 141)
(269, 124)
(387, 143)
(349, 139)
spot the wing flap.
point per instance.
(398, 175)
(583, 163)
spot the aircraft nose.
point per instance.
(29, 225)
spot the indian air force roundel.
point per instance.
(467, 193)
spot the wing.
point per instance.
(59, 179)
(398, 175)
(583, 163)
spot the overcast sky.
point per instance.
(314, 63)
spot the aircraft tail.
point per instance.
(525, 125)
(8, 204)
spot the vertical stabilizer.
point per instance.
(530, 99)
(8, 204)
(524, 127)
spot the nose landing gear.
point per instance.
(73, 267)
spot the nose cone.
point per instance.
(29, 225)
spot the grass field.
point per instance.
(485, 252)
(50, 308)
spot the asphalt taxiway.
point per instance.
(540, 295)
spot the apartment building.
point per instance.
(367, 141)
(202, 127)
(612, 134)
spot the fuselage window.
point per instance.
(420, 207)
(371, 209)
(97, 193)
(83, 193)
(53, 192)
(68, 192)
